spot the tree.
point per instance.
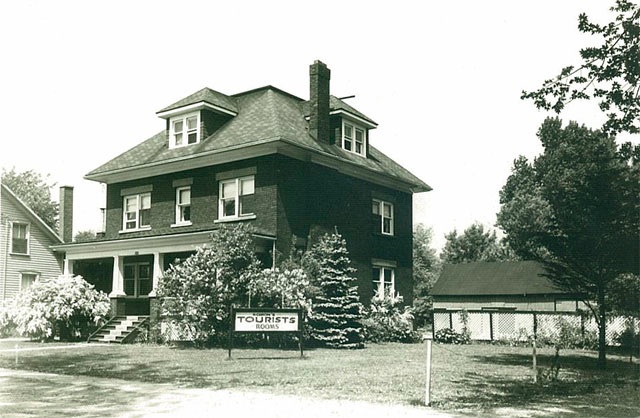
(337, 313)
(198, 293)
(84, 236)
(35, 192)
(474, 244)
(585, 221)
(608, 73)
(426, 269)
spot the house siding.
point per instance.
(539, 303)
(204, 200)
(41, 259)
(313, 200)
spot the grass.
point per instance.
(471, 378)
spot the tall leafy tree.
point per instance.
(474, 244)
(35, 191)
(337, 313)
(576, 209)
(609, 72)
(426, 269)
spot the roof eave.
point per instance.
(165, 114)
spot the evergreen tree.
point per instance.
(337, 313)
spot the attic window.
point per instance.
(184, 130)
(354, 138)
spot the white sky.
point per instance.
(81, 81)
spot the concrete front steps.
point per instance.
(120, 330)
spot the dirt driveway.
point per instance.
(32, 394)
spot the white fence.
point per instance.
(520, 325)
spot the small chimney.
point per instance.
(65, 223)
(319, 76)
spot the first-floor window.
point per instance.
(27, 279)
(183, 205)
(383, 281)
(137, 279)
(137, 211)
(19, 238)
(237, 197)
(383, 216)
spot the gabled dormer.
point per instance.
(194, 118)
(331, 120)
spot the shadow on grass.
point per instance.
(582, 388)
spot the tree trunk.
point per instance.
(602, 330)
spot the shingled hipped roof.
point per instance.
(493, 278)
(265, 115)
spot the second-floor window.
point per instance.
(137, 211)
(183, 205)
(184, 130)
(237, 197)
(354, 138)
(19, 238)
(382, 217)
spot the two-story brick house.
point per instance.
(291, 168)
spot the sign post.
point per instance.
(266, 320)
(428, 382)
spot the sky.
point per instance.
(81, 81)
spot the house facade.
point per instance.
(291, 168)
(501, 286)
(25, 246)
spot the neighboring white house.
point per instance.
(25, 241)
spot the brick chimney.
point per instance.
(319, 76)
(65, 223)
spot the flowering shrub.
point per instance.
(449, 336)
(197, 294)
(277, 288)
(61, 307)
(7, 326)
(386, 321)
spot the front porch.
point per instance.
(129, 270)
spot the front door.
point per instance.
(137, 285)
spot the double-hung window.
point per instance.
(27, 279)
(184, 130)
(183, 205)
(382, 216)
(19, 238)
(237, 197)
(137, 211)
(353, 138)
(384, 280)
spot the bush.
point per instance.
(64, 307)
(629, 338)
(197, 294)
(386, 321)
(450, 336)
(7, 325)
(567, 335)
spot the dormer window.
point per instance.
(354, 138)
(184, 130)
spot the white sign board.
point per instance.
(266, 321)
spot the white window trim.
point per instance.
(137, 220)
(382, 267)
(180, 222)
(381, 204)
(354, 126)
(236, 215)
(33, 273)
(28, 238)
(183, 117)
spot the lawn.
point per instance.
(468, 379)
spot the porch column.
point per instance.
(158, 269)
(117, 284)
(68, 267)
